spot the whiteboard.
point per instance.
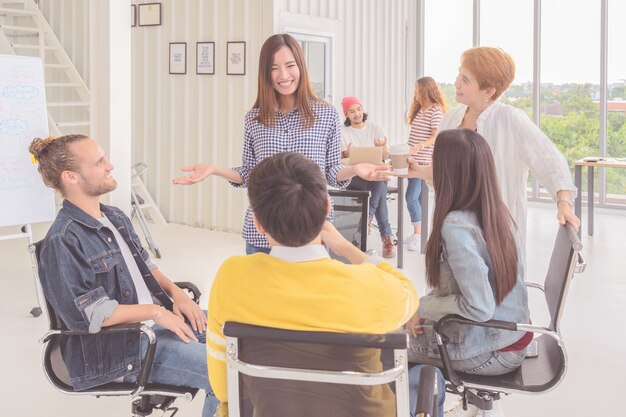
(24, 198)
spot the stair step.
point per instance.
(62, 85)
(76, 123)
(68, 104)
(20, 28)
(24, 46)
(20, 12)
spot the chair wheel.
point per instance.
(35, 311)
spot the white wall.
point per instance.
(183, 119)
(374, 53)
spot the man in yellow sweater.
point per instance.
(297, 286)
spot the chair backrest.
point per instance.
(351, 215)
(54, 366)
(276, 372)
(563, 263)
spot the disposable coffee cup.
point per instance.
(400, 158)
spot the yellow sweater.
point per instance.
(321, 295)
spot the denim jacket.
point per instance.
(467, 288)
(84, 278)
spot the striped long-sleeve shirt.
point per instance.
(422, 128)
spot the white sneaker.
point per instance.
(413, 242)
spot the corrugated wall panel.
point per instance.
(373, 59)
(68, 19)
(185, 119)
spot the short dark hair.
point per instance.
(289, 197)
(347, 121)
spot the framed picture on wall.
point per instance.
(178, 57)
(149, 14)
(133, 15)
(236, 58)
(205, 58)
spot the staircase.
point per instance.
(25, 31)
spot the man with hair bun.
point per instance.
(95, 273)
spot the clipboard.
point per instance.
(366, 154)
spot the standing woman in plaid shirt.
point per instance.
(286, 117)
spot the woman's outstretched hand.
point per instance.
(371, 172)
(198, 173)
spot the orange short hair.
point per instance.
(492, 67)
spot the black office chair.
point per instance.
(350, 216)
(145, 397)
(284, 373)
(536, 374)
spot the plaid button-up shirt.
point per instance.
(320, 142)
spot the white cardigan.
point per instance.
(518, 146)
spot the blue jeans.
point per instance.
(489, 363)
(378, 202)
(179, 363)
(414, 381)
(250, 249)
(412, 196)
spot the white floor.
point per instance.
(594, 333)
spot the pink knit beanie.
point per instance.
(347, 102)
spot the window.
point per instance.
(494, 22)
(446, 36)
(317, 55)
(570, 76)
(616, 105)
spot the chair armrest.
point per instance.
(144, 372)
(442, 341)
(536, 285)
(192, 288)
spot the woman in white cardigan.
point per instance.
(517, 144)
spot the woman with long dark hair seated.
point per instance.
(473, 263)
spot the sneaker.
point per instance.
(413, 242)
(389, 250)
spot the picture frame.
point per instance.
(149, 14)
(205, 58)
(178, 58)
(133, 15)
(236, 58)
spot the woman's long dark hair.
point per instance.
(464, 177)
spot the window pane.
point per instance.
(316, 63)
(494, 28)
(616, 123)
(570, 76)
(447, 35)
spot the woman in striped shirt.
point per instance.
(286, 117)
(426, 112)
